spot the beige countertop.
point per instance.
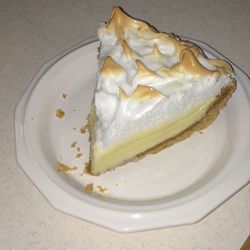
(31, 32)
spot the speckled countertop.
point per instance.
(31, 32)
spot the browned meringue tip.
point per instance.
(141, 93)
(127, 50)
(142, 69)
(187, 53)
(117, 15)
(189, 62)
(117, 10)
(122, 94)
(222, 64)
(120, 20)
(156, 53)
(110, 67)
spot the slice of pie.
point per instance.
(153, 90)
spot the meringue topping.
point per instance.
(144, 72)
(110, 67)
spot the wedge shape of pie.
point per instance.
(153, 90)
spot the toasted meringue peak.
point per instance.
(143, 70)
(156, 52)
(120, 21)
(141, 93)
(222, 65)
(127, 50)
(190, 64)
(110, 67)
(192, 47)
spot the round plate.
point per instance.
(179, 185)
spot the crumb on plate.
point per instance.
(83, 129)
(102, 189)
(65, 168)
(86, 168)
(64, 96)
(73, 145)
(60, 113)
(89, 187)
(79, 155)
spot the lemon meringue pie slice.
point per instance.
(153, 90)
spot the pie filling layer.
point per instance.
(119, 153)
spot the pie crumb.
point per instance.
(89, 188)
(102, 189)
(79, 155)
(73, 145)
(87, 168)
(65, 168)
(64, 96)
(83, 129)
(60, 113)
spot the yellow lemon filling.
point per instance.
(104, 159)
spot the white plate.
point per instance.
(179, 185)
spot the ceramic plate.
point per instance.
(179, 185)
